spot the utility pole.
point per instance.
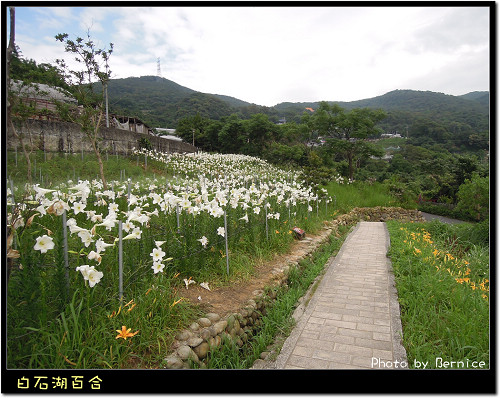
(10, 51)
(158, 69)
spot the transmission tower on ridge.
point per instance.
(158, 68)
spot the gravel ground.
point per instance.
(430, 217)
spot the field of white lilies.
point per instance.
(82, 258)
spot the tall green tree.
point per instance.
(192, 129)
(95, 68)
(259, 132)
(346, 132)
(232, 135)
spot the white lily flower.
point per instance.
(127, 226)
(101, 245)
(188, 282)
(78, 207)
(84, 269)
(113, 207)
(94, 277)
(86, 237)
(158, 267)
(41, 191)
(44, 243)
(157, 254)
(94, 256)
(58, 207)
(203, 241)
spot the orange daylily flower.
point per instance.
(176, 302)
(130, 302)
(124, 333)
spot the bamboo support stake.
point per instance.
(65, 249)
(227, 246)
(120, 260)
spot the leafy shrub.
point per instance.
(144, 143)
(473, 197)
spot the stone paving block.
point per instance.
(355, 333)
(303, 351)
(307, 363)
(383, 354)
(340, 324)
(371, 343)
(363, 362)
(333, 356)
(354, 318)
(382, 336)
(353, 349)
(314, 319)
(327, 315)
(336, 338)
(313, 343)
(310, 335)
(373, 328)
(335, 365)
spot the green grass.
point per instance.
(53, 168)
(360, 194)
(443, 292)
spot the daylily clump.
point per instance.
(442, 260)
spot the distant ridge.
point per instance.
(162, 103)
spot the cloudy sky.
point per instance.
(268, 55)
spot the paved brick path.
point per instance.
(352, 320)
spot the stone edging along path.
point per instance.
(208, 332)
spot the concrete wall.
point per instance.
(56, 136)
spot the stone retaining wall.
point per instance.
(379, 214)
(56, 136)
(207, 333)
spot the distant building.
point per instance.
(391, 135)
(129, 123)
(171, 137)
(162, 130)
(42, 97)
(167, 134)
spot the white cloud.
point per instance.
(267, 55)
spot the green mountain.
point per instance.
(162, 103)
(406, 106)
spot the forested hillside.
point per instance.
(162, 103)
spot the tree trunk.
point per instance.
(98, 152)
(351, 167)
